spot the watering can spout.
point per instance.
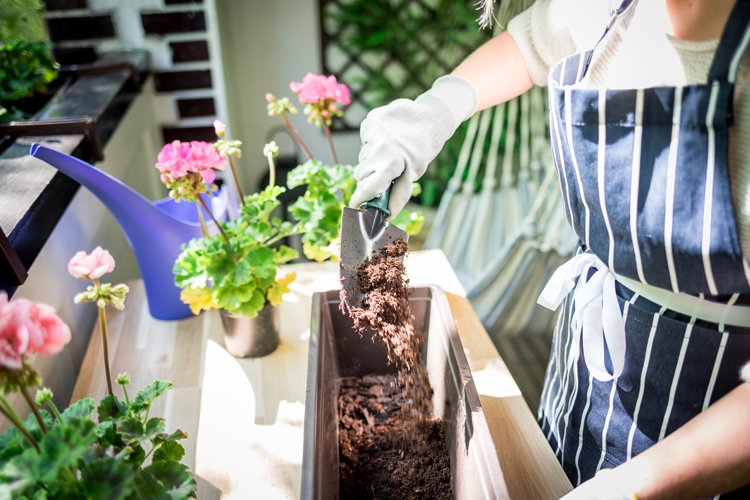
(153, 233)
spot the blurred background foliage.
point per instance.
(26, 62)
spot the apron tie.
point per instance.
(597, 317)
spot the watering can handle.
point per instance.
(380, 202)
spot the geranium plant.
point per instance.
(114, 449)
(236, 269)
(329, 187)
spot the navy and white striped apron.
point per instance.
(645, 178)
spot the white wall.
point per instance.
(267, 44)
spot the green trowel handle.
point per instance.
(381, 202)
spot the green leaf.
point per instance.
(169, 450)
(19, 474)
(111, 408)
(241, 274)
(263, 262)
(60, 449)
(131, 428)
(82, 409)
(285, 254)
(251, 307)
(231, 298)
(107, 478)
(164, 480)
(107, 433)
(154, 426)
(12, 443)
(148, 394)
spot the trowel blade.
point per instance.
(364, 233)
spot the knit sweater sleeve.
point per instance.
(551, 30)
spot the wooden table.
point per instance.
(245, 417)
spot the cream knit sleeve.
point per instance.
(551, 30)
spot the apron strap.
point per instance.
(616, 13)
(732, 45)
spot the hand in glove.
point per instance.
(400, 139)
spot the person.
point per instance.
(647, 391)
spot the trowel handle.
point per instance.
(381, 202)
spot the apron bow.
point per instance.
(597, 318)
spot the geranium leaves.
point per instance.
(236, 275)
(148, 395)
(80, 458)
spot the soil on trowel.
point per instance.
(378, 455)
(389, 444)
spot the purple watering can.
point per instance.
(155, 230)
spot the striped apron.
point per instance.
(645, 179)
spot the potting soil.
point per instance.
(389, 445)
(378, 455)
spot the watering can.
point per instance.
(155, 230)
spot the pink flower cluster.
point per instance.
(316, 89)
(91, 266)
(179, 159)
(28, 328)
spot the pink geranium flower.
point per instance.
(205, 160)
(91, 266)
(179, 159)
(315, 89)
(28, 328)
(174, 159)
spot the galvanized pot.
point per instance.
(247, 337)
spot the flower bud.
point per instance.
(271, 149)
(220, 128)
(123, 379)
(43, 396)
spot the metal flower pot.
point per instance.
(246, 337)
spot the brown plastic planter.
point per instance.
(336, 352)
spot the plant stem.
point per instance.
(55, 411)
(203, 202)
(296, 136)
(204, 229)
(327, 131)
(271, 171)
(34, 409)
(17, 423)
(236, 180)
(281, 236)
(125, 391)
(105, 343)
(9, 408)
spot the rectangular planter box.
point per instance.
(336, 351)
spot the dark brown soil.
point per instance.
(389, 446)
(378, 457)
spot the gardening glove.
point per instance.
(400, 139)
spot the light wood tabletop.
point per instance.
(245, 417)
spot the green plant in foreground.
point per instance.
(113, 450)
(126, 455)
(238, 273)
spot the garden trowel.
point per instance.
(364, 233)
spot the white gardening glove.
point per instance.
(400, 139)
